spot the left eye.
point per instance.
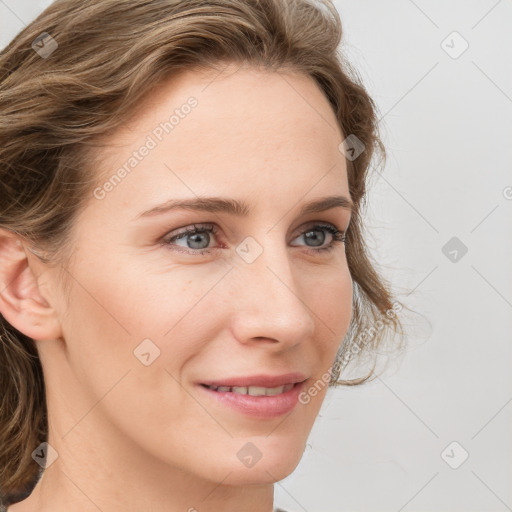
(197, 237)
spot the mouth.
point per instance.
(254, 399)
(252, 390)
(256, 383)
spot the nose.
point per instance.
(270, 303)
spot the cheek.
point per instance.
(115, 310)
(109, 317)
(142, 302)
(330, 300)
(331, 304)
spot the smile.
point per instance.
(252, 390)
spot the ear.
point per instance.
(22, 303)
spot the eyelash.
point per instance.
(337, 237)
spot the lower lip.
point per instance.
(259, 406)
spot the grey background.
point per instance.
(447, 124)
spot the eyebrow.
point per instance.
(240, 208)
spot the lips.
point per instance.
(264, 381)
(262, 403)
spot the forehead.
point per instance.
(239, 89)
(208, 129)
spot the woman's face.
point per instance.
(151, 317)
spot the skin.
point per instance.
(132, 437)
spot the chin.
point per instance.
(268, 469)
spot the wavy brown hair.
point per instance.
(110, 54)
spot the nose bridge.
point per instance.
(269, 302)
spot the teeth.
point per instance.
(258, 391)
(253, 390)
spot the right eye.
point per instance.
(196, 237)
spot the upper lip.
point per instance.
(265, 381)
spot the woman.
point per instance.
(183, 270)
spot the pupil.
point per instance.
(196, 238)
(317, 240)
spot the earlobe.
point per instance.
(21, 302)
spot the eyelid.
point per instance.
(198, 226)
(312, 223)
(190, 228)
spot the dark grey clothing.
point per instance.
(3, 509)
